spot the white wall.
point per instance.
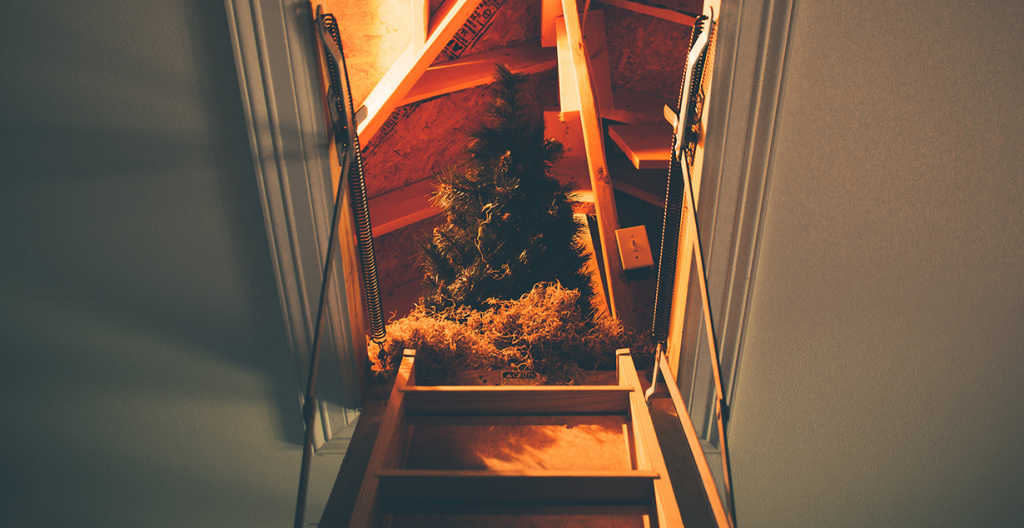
(144, 373)
(881, 375)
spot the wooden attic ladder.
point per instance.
(397, 489)
(402, 487)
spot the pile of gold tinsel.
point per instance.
(544, 332)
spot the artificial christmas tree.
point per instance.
(508, 223)
(505, 287)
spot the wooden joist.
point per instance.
(678, 11)
(647, 146)
(407, 70)
(647, 184)
(600, 72)
(478, 69)
(420, 23)
(636, 108)
(402, 207)
(619, 300)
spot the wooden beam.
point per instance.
(402, 207)
(600, 72)
(572, 168)
(636, 108)
(647, 185)
(411, 490)
(619, 300)
(678, 10)
(565, 127)
(549, 11)
(420, 23)
(525, 399)
(407, 70)
(477, 70)
(593, 269)
(647, 146)
(648, 451)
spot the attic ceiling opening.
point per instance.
(410, 131)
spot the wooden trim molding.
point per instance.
(273, 42)
(748, 81)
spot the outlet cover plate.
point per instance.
(634, 248)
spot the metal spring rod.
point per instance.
(356, 180)
(369, 269)
(674, 206)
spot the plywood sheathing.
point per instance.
(373, 33)
(424, 141)
(513, 21)
(645, 54)
(516, 21)
(433, 137)
(397, 254)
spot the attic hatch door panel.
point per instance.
(276, 63)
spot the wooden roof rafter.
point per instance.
(680, 15)
(388, 94)
(619, 299)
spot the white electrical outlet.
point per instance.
(634, 249)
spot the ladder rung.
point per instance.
(413, 490)
(535, 400)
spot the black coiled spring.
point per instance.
(674, 194)
(356, 187)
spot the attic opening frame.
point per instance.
(273, 43)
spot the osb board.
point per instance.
(397, 254)
(645, 54)
(516, 21)
(431, 136)
(494, 24)
(374, 33)
(589, 443)
(398, 302)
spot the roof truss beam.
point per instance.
(478, 69)
(619, 300)
(388, 94)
